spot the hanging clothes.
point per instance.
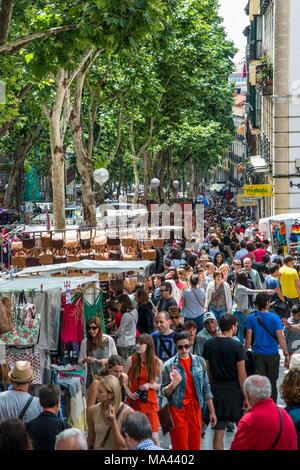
(94, 310)
(72, 322)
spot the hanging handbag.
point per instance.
(16, 246)
(46, 241)
(33, 358)
(57, 242)
(165, 419)
(114, 242)
(46, 258)
(31, 261)
(129, 242)
(149, 255)
(158, 243)
(29, 243)
(19, 260)
(6, 323)
(114, 255)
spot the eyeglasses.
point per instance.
(162, 290)
(180, 347)
(174, 318)
(93, 328)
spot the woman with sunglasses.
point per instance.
(185, 384)
(144, 370)
(95, 350)
(105, 419)
(114, 366)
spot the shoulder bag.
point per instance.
(103, 442)
(201, 305)
(165, 419)
(280, 430)
(27, 405)
(265, 327)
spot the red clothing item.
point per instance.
(72, 324)
(187, 420)
(258, 429)
(118, 318)
(250, 255)
(259, 253)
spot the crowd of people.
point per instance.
(198, 342)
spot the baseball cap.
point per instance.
(208, 316)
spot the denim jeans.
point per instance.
(217, 312)
(197, 320)
(241, 318)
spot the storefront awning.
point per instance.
(259, 164)
(217, 187)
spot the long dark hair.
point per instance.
(97, 342)
(114, 360)
(126, 304)
(13, 436)
(242, 279)
(151, 359)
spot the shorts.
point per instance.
(220, 426)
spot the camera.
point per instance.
(143, 395)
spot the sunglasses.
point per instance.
(174, 318)
(180, 347)
(93, 328)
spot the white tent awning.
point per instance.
(111, 267)
(34, 283)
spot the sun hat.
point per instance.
(22, 372)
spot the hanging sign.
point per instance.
(258, 190)
(245, 201)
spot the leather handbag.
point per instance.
(46, 241)
(32, 261)
(114, 255)
(146, 244)
(100, 241)
(114, 242)
(158, 243)
(6, 323)
(165, 419)
(18, 260)
(129, 242)
(130, 255)
(16, 246)
(71, 244)
(46, 258)
(29, 243)
(57, 243)
(73, 258)
(101, 256)
(149, 255)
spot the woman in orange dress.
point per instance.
(144, 373)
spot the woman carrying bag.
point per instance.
(127, 331)
(144, 372)
(105, 419)
(95, 350)
(185, 384)
(218, 298)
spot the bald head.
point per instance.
(257, 388)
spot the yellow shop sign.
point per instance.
(258, 190)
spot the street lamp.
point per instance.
(155, 182)
(176, 184)
(101, 176)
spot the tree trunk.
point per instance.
(84, 155)
(146, 176)
(6, 9)
(23, 147)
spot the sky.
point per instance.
(235, 21)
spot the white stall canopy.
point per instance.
(47, 283)
(110, 267)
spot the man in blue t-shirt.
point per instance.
(163, 338)
(272, 282)
(265, 348)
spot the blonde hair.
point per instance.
(224, 266)
(112, 385)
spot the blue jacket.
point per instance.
(200, 377)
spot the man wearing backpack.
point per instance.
(267, 330)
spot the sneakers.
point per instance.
(230, 427)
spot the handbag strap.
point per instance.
(103, 442)
(280, 430)
(201, 305)
(265, 327)
(27, 405)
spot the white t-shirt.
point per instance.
(12, 403)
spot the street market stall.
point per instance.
(284, 232)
